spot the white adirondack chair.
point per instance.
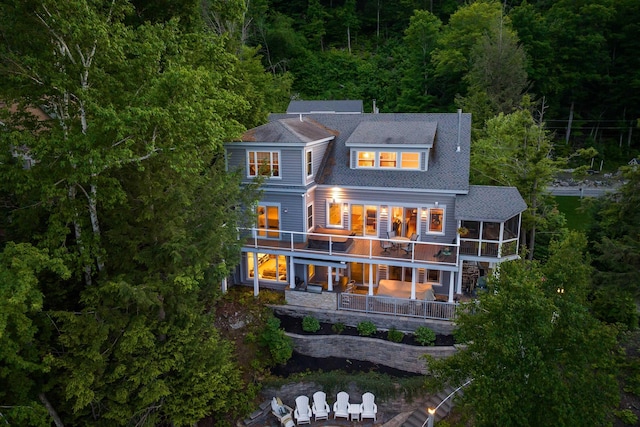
(320, 406)
(368, 407)
(302, 413)
(341, 406)
(282, 412)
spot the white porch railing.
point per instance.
(397, 306)
(353, 246)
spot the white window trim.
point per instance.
(307, 161)
(326, 220)
(444, 222)
(266, 229)
(355, 152)
(306, 216)
(271, 152)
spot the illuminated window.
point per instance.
(366, 159)
(335, 213)
(388, 159)
(436, 219)
(265, 163)
(268, 221)
(410, 161)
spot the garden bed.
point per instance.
(293, 325)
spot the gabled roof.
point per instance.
(448, 167)
(288, 130)
(325, 107)
(489, 203)
(393, 133)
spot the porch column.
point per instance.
(459, 277)
(413, 283)
(370, 279)
(330, 279)
(256, 287)
(292, 276)
(451, 283)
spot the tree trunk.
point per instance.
(52, 412)
(349, 38)
(568, 135)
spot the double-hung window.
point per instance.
(309, 162)
(265, 163)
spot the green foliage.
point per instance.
(338, 327)
(367, 328)
(395, 335)
(627, 416)
(614, 306)
(274, 339)
(425, 335)
(310, 324)
(530, 346)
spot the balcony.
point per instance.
(351, 247)
(488, 248)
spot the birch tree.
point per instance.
(127, 186)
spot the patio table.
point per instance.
(354, 412)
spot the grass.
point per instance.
(569, 206)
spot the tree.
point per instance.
(615, 246)
(128, 187)
(516, 150)
(420, 40)
(535, 353)
(497, 75)
(468, 25)
(22, 357)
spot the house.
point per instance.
(374, 208)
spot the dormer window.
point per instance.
(392, 145)
(409, 160)
(388, 159)
(266, 163)
(366, 159)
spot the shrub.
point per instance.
(395, 335)
(274, 339)
(425, 336)
(310, 324)
(338, 328)
(627, 417)
(366, 328)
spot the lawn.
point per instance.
(569, 206)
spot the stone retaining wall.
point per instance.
(325, 300)
(399, 356)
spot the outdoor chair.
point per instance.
(341, 406)
(408, 247)
(320, 406)
(368, 407)
(302, 413)
(386, 245)
(282, 412)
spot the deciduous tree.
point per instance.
(535, 353)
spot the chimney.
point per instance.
(459, 129)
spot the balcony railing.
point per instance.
(397, 306)
(351, 246)
(488, 248)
